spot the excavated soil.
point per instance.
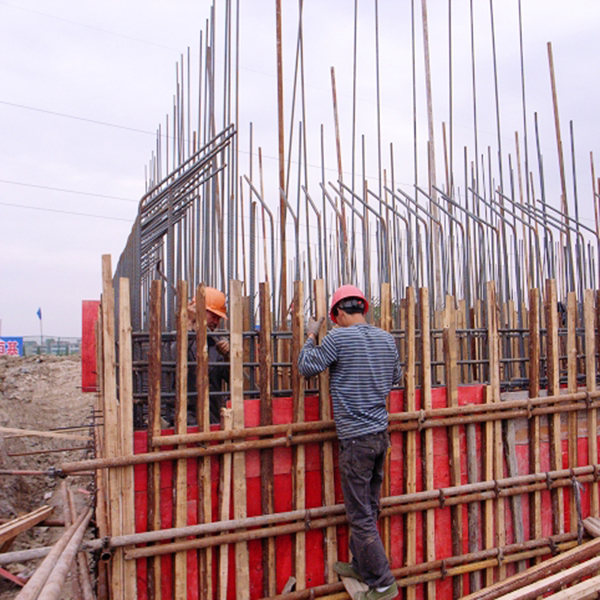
(41, 393)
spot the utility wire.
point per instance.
(55, 189)
(65, 212)
(108, 31)
(67, 116)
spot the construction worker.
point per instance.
(363, 366)
(218, 350)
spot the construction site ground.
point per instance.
(39, 393)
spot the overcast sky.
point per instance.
(86, 84)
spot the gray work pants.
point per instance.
(361, 470)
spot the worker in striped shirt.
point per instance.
(363, 366)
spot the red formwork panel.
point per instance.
(283, 457)
(89, 316)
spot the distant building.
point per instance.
(58, 346)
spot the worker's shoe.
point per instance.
(346, 570)
(373, 594)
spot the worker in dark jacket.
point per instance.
(363, 366)
(218, 350)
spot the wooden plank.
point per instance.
(353, 586)
(554, 581)
(48, 434)
(266, 418)
(224, 509)
(239, 458)
(203, 417)
(556, 564)
(585, 589)
(592, 526)
(111, 426)
(14, 527)
(426, 403)
(325, 414)
(590, 382)
(154, 430)
(454, 456)
(181, 377)
(125, 420)
(556, 461)
(299, 487)
(411, 456)
(386, 325)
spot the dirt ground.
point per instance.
(42, 394)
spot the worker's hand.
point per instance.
(313, 327)
(222, 347)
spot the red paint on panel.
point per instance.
(89, 316)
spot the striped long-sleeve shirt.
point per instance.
(363, 366)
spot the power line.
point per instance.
(76, 118)
(79, 24)
(56, 189)
(64, 212)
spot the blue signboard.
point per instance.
(11, 346)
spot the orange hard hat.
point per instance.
(215, 302)
(342, 293)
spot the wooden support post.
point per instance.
(493, 433)
(438, 349)
(590, 382)
(298, 473)
(410, 455)
(535, 504)
(572, 388)
(461, 323)
(203, 417)
(181, 376)
(451, 379)
(556, 462)
(477, 321)
(473, 454)
(125, 420)
(102, 587)
(225, 493)
(154, 431)
(386, 325)
(242, 568)
(266, 418)
(509, 433)
(247, 342)
(327, 473)
(426, 404)
(111, 426)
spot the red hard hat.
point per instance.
(346, 291)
